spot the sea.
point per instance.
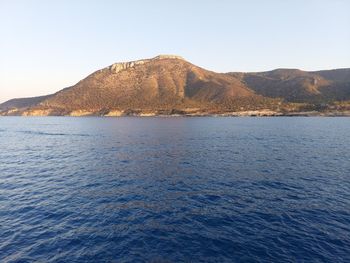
(174, 189)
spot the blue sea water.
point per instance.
(174, 189)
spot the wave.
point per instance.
(53, 133)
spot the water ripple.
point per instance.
(174, 190)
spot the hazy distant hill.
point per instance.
(23, 102)
(169, 83)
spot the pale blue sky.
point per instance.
(48, 45)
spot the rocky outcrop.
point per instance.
(117, 67)
(78, 113)
(114, 113)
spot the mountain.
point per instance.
(164, 81)
(294, 85)
(168, 84)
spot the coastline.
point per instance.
(253, 113)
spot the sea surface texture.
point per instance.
(174, 189)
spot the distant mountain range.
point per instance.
(169, 84)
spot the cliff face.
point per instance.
(171, 85)
(117, 67)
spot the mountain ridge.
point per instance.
(168, 84)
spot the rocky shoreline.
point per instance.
(173, 113)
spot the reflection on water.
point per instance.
(174, 189)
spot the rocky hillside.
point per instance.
(294, 85)
(161, 82)
(23, 103)
(169, 84)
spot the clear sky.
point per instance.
(48, 45)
